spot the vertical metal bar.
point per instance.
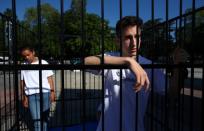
(152, 70)
(182, 100)
(180, 83)
(81, 93)
(9, 75)
(0, 115)
(4, 80)
(202, 119)
(1, 21)
(137, 15)
(102, 62)
(166, 77)
(4, 88)
(5, 100)
(75, 87)
(62, 30)
(192, 67)
(3, 36)
(39, 29)
(94, 92)
(137, 59)
(62, 61)
(10, 100)
(40, 53)
(70, 85)
(173, 109)
(14, 38)
(121, 54)
(83, 34)
(39, 35)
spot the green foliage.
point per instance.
(50, 28)
(1, 36)
(76, 7)
(154, 41)
(92, 35)
(73, 45)
(190, 38)
(8, 12)
(4, 35)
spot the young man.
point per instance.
(31, 91)
(134, 80)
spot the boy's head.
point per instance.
(28, 53)
(128, 32)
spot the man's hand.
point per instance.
(179, 55)
(140, 74)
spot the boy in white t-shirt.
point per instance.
(30, 87)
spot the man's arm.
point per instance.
(177, 77)
(52, 90)
(140, 74)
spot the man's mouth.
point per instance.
(133, 50)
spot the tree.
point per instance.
(6, 32)
(192, 39)
(92, 34)
(154, 41)
(2, 49)
(50, 27)
(8, 13)
(73, 46)
(76, 7)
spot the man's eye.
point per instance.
(128, 37)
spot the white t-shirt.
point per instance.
(31, 78)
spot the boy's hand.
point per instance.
(52, 96)
(25, 101)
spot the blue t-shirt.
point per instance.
(112, 97)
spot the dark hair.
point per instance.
(26, 47)
(127, 21)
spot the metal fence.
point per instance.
(79, 93)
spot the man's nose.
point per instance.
(134, 42)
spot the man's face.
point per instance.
(130, 41)
(28, 55)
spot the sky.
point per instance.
(111, 8)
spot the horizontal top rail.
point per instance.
(96, 67)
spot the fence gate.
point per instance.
(64, 36)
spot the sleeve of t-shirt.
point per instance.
(22, 75)
(47, 72)
(22, 71)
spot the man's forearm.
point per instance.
(96, 60)
(138, 71)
